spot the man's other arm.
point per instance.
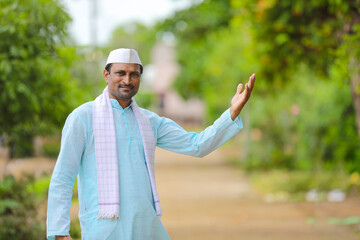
(63, 177)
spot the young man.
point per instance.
(109, 144)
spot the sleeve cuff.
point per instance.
(237, 122)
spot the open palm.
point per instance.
(241, 97)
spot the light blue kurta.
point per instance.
(138, 219)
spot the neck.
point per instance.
(123, 102)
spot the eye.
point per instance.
(135, 75)
(120, 73)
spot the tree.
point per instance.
(37, 91)
(297, 49)
(319, 33)
(324, 36)
(193, 28)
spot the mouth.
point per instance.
(126, 87)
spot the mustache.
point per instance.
(125, 85)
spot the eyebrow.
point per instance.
(121, 70)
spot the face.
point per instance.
(123, 80)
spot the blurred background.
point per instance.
(300, 145)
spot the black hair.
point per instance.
(108, 67)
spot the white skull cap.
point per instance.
(123, 55)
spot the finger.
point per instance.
(251, 82)
(247, 90)
(239, 88)
(251, 79)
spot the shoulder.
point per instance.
(149, 113)
(158, 122)
(154, 118)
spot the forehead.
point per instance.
(131, 67)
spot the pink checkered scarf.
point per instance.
(107, 159)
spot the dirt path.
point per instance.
(207, 199)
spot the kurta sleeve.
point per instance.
(172, 137)
(62, 180)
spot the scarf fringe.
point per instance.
(110, 215)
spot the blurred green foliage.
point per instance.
(310, 125)
(88, 72)
(18, 211)
(39, 187)
(145, 99)
(290, 32)
(75, 229)
(37, 91)
(301, 113)
(51, 148)
(198, 30)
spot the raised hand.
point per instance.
(240, 98)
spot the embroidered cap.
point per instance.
(123, 55)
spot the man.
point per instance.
(109, 144)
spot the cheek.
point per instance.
(111, 82)
(137, 84)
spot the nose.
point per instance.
(127, 79)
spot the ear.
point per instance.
(106, 75)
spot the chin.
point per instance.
(125, 97)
